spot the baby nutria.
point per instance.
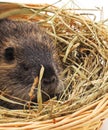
(24, 47)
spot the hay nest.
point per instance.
(83, 50)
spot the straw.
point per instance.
(82, 45)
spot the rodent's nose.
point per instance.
(49, 80)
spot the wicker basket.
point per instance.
(88, 117)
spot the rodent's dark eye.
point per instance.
(24, 67)
(9, 54)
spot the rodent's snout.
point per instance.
(50, 80)
(49, 84)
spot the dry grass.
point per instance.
(83, 50)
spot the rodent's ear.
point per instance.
(9, 53)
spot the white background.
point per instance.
(92, 4)
(84, 4)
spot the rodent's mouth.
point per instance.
(47, 97)
(47, 92)
(50, 91)
(23, 97)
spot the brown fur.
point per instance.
(24, 47)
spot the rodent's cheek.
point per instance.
(60, 88)
(20, 76)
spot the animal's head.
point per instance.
(24, 47)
